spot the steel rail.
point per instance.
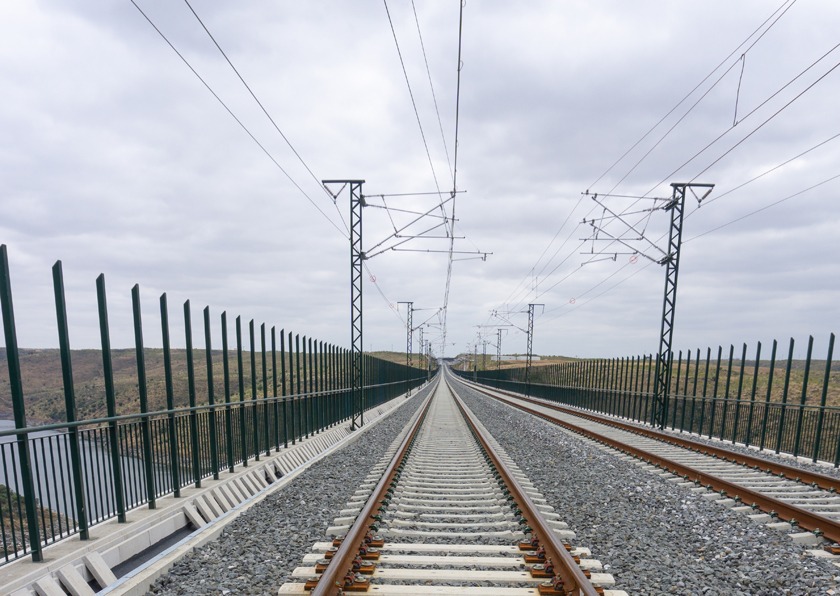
(331, 582)
(805, 519)
(790, 472)
(574, 580)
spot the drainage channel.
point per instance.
(455, 517)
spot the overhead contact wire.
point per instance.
(238, 121)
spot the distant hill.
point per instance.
(44, 391)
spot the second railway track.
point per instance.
(450, 514)
(792, 499)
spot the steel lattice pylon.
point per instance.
(529, 356)
(357, 258)
(409, 332)
(357, 261)
(671, 260)
(499, 349)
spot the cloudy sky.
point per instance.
(117, 159)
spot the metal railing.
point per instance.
(57, 480)
(774, 404)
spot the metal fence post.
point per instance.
(292, 378)
(70, 401)
(145, 425)
(752, 395)
(265, 392)
(799, 419)
(784, 397)
(276, 403)
(174, 455)
(211, 395)
(738, 398)
(255, 426)
(226, 374)
(768, 394)
(283, 386)
(298, 385)
(16, 387)
(243, 444)
(110, 398)
(826, 379)
(194, 443)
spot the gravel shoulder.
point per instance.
(654, 537)
(257, 552)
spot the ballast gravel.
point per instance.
(653, 536)
(257, 552)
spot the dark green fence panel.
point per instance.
(61, 478)
(736, 399)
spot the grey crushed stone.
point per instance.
(654, 537)
(256, 553)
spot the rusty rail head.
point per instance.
(332, 579)
(574, 580)
(807, 520)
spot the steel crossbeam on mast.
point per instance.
(357, 259)
(670, 257)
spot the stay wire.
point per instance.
(238, 121)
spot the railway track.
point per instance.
(802, 503)
(447, 512)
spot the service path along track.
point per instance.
(447, 512)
